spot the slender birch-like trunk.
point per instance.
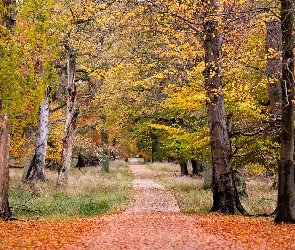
(71, 120)
(36, 170)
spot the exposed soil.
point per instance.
(149, 196)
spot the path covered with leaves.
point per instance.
(149, 224)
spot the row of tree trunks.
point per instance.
(8, 21)
(225, 196)
(71, 121)
(196, 166)
(285, 211)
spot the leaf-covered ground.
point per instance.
(149, 231)
(147, 225)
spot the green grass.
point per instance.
(192, 198)
(262, 198)
(89, 193)
(164, 167)
(188, 192)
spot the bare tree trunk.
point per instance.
(197, 166)
(273, 65)
(154, 146)
(71, 120)
(286, 201)
(105, 163)
(30, 133)
(183, 168)
(8, 21)
(37, 166)
(4, 168)
(225, 196)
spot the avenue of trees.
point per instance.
(206, 81)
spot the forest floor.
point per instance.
(151, 221)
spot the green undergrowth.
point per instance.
(89, 192)
(164, 167)
(192, 198)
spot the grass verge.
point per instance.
(192, 198)
(89, 192)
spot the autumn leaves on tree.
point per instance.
(205, 81)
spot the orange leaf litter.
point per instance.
(149, 231)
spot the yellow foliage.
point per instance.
(255, 169)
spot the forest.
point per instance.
(180, 80)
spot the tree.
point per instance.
(105, 162)
(225, 195)
(7, 24)
(4, 168)
(273, 65)
(71, 121)
(36, 170)
(285, 211)
(105, 152)
(38, 35)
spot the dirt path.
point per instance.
(149, 196)
(152, 221)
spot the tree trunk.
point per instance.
(183, 168)
(154, 144)
(105, 152)
(286, 201)
(273, 72)
(8, 21)
(9, 16)
(37, 166)
(71, 120)
(197, 167)
(80, 162)
(29, 141)
(4, 169)
(273, 65)
(225, 197)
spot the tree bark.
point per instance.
(37, 166)
(9, 17)
(5, 212)
(196, 166)
(285, 211)
(154, 144)
(71, 121)
(30, 133)
(105, 152)
(273, 66)
(225, 196)
(8, 21)
(183, 168)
